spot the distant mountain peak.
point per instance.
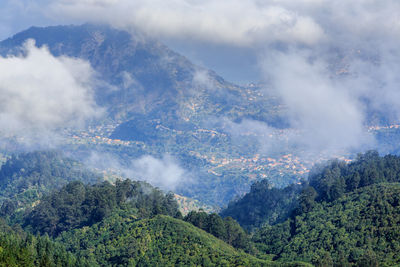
(145, 76)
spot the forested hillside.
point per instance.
(360, 228)
(77, 205)
(346, 214)
(18, 248)
(225, 229)
(74, 219)
(26, 177)
(264, 204)
(160, 240)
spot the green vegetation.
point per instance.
(26, 177)
(18, 248)
(338, 178)
(360, 228)
(264, 205)
(226, 229)
(158, 241)
(107, 225)
(77, 205)
(348, 215)
(126, 223)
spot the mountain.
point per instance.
(159, 103)
(147, 77)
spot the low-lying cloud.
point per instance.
(164, 172)
(328, 114)
(40, 93)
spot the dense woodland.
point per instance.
(77, 220)
(26, 177)
(77, 205)
(264, 205)
(226, 229)
(346, 214)
(361, 228)
(19, 248)
(157, 241)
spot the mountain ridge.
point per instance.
(158, 98)
(136, 65)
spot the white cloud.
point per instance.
(165, 172)
(233, 22)
(242, 22)
(266, 138)
(40, 92)
(202, 78)
(328, 114)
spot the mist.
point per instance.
(164, 172)
(328, 114)
(41, 94)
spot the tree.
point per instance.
(307, 199)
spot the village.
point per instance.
(254, 166)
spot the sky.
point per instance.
(331, 62)
(222, 35)
(236, 64)
(225, 35)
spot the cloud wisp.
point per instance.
(164, 172)
(40, 93)
(325, 111)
